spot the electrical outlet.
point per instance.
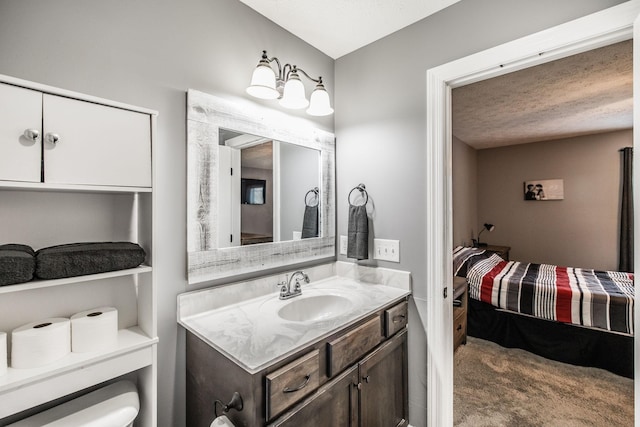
(386, 250)
(343, 245)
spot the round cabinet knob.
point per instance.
(32, 134)
(52, 138)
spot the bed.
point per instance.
(573, 315)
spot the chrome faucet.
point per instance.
(286, 291)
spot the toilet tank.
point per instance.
(115, 405)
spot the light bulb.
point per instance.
(294, 96)
(319, 104)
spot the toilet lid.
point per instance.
(114, 405)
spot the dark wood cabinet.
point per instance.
(383, 378)
(355, 377)
(334, 405)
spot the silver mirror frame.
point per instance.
(206, 114)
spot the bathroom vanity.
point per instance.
(334, 356)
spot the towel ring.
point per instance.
(316, 192)
(362, 189)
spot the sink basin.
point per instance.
(314, 308)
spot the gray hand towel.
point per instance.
(310, 222)
(358, 232)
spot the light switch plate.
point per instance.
(343, 245)
(386, 250)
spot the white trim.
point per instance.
(592, 31)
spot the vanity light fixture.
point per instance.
(287, 87)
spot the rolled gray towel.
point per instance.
(310, 222)
(79, 259)
(358, 232)
(17, 264)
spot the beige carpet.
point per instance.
(496, 386)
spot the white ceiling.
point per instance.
(588, 93)
(338, 27)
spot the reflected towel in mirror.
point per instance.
(310, 222)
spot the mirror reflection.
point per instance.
(268, 190)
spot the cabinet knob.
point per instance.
(32, 134)
(52, 138)
(366, 379)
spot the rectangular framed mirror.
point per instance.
(260, 189)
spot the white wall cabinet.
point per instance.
(21, 110)
(97, 187)
(80, 142)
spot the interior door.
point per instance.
(92, 144)
(20, 113)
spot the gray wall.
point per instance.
(380, 129)
(465, 193)
(579, 231)
(148, 53)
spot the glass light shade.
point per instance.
(319, 104)
(294, 96)
(263, 83)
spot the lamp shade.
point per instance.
(319, 105)
(294, 96)
(263, 82)
(489, 227)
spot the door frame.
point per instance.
(603, 28)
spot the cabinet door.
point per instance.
(97, 144)
(20, 156)
(334, 405)
(383, 374)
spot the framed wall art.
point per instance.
(544, 189)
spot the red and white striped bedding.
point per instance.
(599, 299)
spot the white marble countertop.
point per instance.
(254, 336)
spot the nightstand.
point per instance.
(501, 251)
(460, 300)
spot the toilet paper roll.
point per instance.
(3, 353)
(40, 343)
(94, 330)
(222, 421)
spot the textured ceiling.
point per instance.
(338, 27)
(582, 94)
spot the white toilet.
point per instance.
(115, 405)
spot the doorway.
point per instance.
(600, 29)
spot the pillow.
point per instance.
(79, 259)
(17, 264)
(464, 258)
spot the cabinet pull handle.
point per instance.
(52, 138)
(459, 327)
(300, 387)
(366, 379)
(398, 318)
(32, 134)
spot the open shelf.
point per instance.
(21, 389)
(38, 284)
(43, 186)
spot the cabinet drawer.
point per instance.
(351, 346)
(459, 329)
(395, 319)
(293, 381)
